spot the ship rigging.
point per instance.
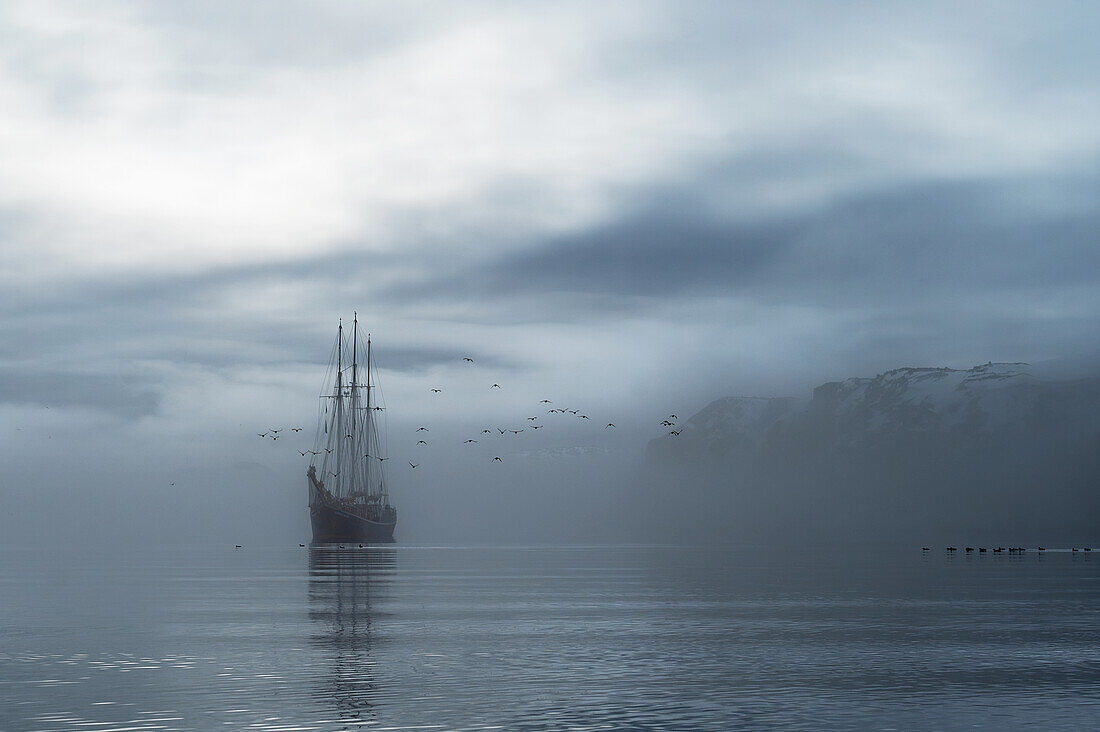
(348, 492)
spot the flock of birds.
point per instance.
(274, 434)
(999, 549)
(506, 430)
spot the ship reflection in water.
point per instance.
(343, 586)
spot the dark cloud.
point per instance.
(938, 272)
(902, 251)
(646, 255)
(961, 242)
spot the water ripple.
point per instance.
(524, 639)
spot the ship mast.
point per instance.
(337, 418)
(368, 421)
(361, 442)
(378, 493)
(348, 435)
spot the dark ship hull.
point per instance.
(332, 525)
(336, 521)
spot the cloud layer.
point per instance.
(601, 201)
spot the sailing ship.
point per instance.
(348, 496)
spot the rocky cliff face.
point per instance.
(987, 449)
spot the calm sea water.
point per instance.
(632, 638)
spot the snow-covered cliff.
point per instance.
(961, 404)
(991, 446)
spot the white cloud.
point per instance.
(141, 173)
(148, 147)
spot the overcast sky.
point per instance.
(633, 208)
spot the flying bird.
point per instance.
(314, 452)
(545, 401)
(274, 437)
(274, 431)
(486, 432)
(584, 416)
(421, 442)
(536, 426)
(675, 433)
(515, 432)
(532, 419)
(303, 452)
(413, 465)
(496, 460)
(501, 431)
(469, 441)
(328, 451)
(295, 429)
(422, 429)
(436, 390)
(262, 434)
(672, 416)
(495, 386)
(609, 424)
(467, 359)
